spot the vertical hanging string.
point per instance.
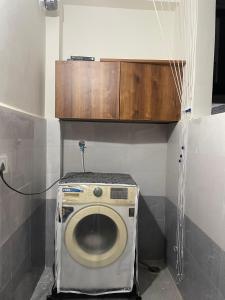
(191, 18)
(184, 77)
(182, 161)
(181, 184)
(180, 201)
(178, 65)
(170, 61)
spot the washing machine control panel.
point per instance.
(98, 192)
(119, 193)
(92, 193)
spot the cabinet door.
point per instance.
(148, 92)
(87, 90)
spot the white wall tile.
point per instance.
(172, 175)
(53, 155)
(23, 140)
(205, 188)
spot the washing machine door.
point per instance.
(95, 236)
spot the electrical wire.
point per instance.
(29, 194)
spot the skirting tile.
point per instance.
(204, 261)
(22, 258)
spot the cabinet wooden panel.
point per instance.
(87, 90)
(148, 92)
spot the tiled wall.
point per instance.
(205, 191)
(204, 249)
(50, 232)
(22, 218)
(137, 149)
(204, 260)
(53, 173)
(151, 228)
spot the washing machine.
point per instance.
(96, 223)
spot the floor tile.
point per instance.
(154, 286)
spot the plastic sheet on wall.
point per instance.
(96, 234)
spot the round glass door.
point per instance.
(96, 236)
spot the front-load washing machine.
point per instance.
(96, 233)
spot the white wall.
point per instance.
(53, 153)
(135, 33)
(52, 54)
(116, 32)
(105, 32)
(137, 149)
(202, 103)
(22, 49)
(204, 55)
(130, 4)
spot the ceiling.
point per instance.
(220, 4)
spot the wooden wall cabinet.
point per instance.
(148, 92)
(87, 90)
(116, 90)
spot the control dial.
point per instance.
(97, 192)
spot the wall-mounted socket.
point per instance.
(4, 159)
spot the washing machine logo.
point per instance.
(72, 190)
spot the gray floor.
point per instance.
(44, 285)
(162, 288)
(153, 286)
